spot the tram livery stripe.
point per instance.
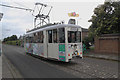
(62, 52)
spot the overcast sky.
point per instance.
(16, 21)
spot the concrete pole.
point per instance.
(1, 15)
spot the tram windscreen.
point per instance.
(74, 36)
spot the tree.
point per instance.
(105, 19)
(12, 38)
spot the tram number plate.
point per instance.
(73, 29)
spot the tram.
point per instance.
(59, 42)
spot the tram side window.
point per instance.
(40, 37)
(30, 39)
(50, 36)
(61, 35)
(26, 39)
(35, 37)
(55, 35)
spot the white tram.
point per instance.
(60, 42)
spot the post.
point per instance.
(1, 15)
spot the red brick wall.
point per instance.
(108, 44)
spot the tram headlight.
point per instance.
(68, 54)
(81, 53)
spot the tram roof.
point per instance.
(49, 27)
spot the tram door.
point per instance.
(52, 45)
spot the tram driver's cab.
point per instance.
(74, 42)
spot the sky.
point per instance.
(15, 21)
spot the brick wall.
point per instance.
(84, 34)
(107, 44)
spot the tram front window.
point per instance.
(74, 36)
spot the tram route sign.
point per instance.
(74, 29)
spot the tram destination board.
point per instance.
(74, 29)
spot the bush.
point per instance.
(86, 42)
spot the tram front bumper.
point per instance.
(78, 56)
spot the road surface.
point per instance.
(32, 67)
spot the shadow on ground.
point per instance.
(61, 63)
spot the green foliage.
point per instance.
(86, 41)
(16, 42)
(11, 38)
(106, 19)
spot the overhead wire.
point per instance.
(16, 7)
(20, 4)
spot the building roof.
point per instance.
(84, 30)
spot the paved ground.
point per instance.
(32, 67)
(113, 57)
(8, 70)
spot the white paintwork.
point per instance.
(70, 50)
(53, 50)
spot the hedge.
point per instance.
(16, 42)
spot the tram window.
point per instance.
(50, 36)
(30, 39)
(34, 38)
(26, 39)
(40, 37)
(74, 36)
(55, 35)
(61, 35)
(78, 36)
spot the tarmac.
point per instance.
(0, 67)
(7, 70)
